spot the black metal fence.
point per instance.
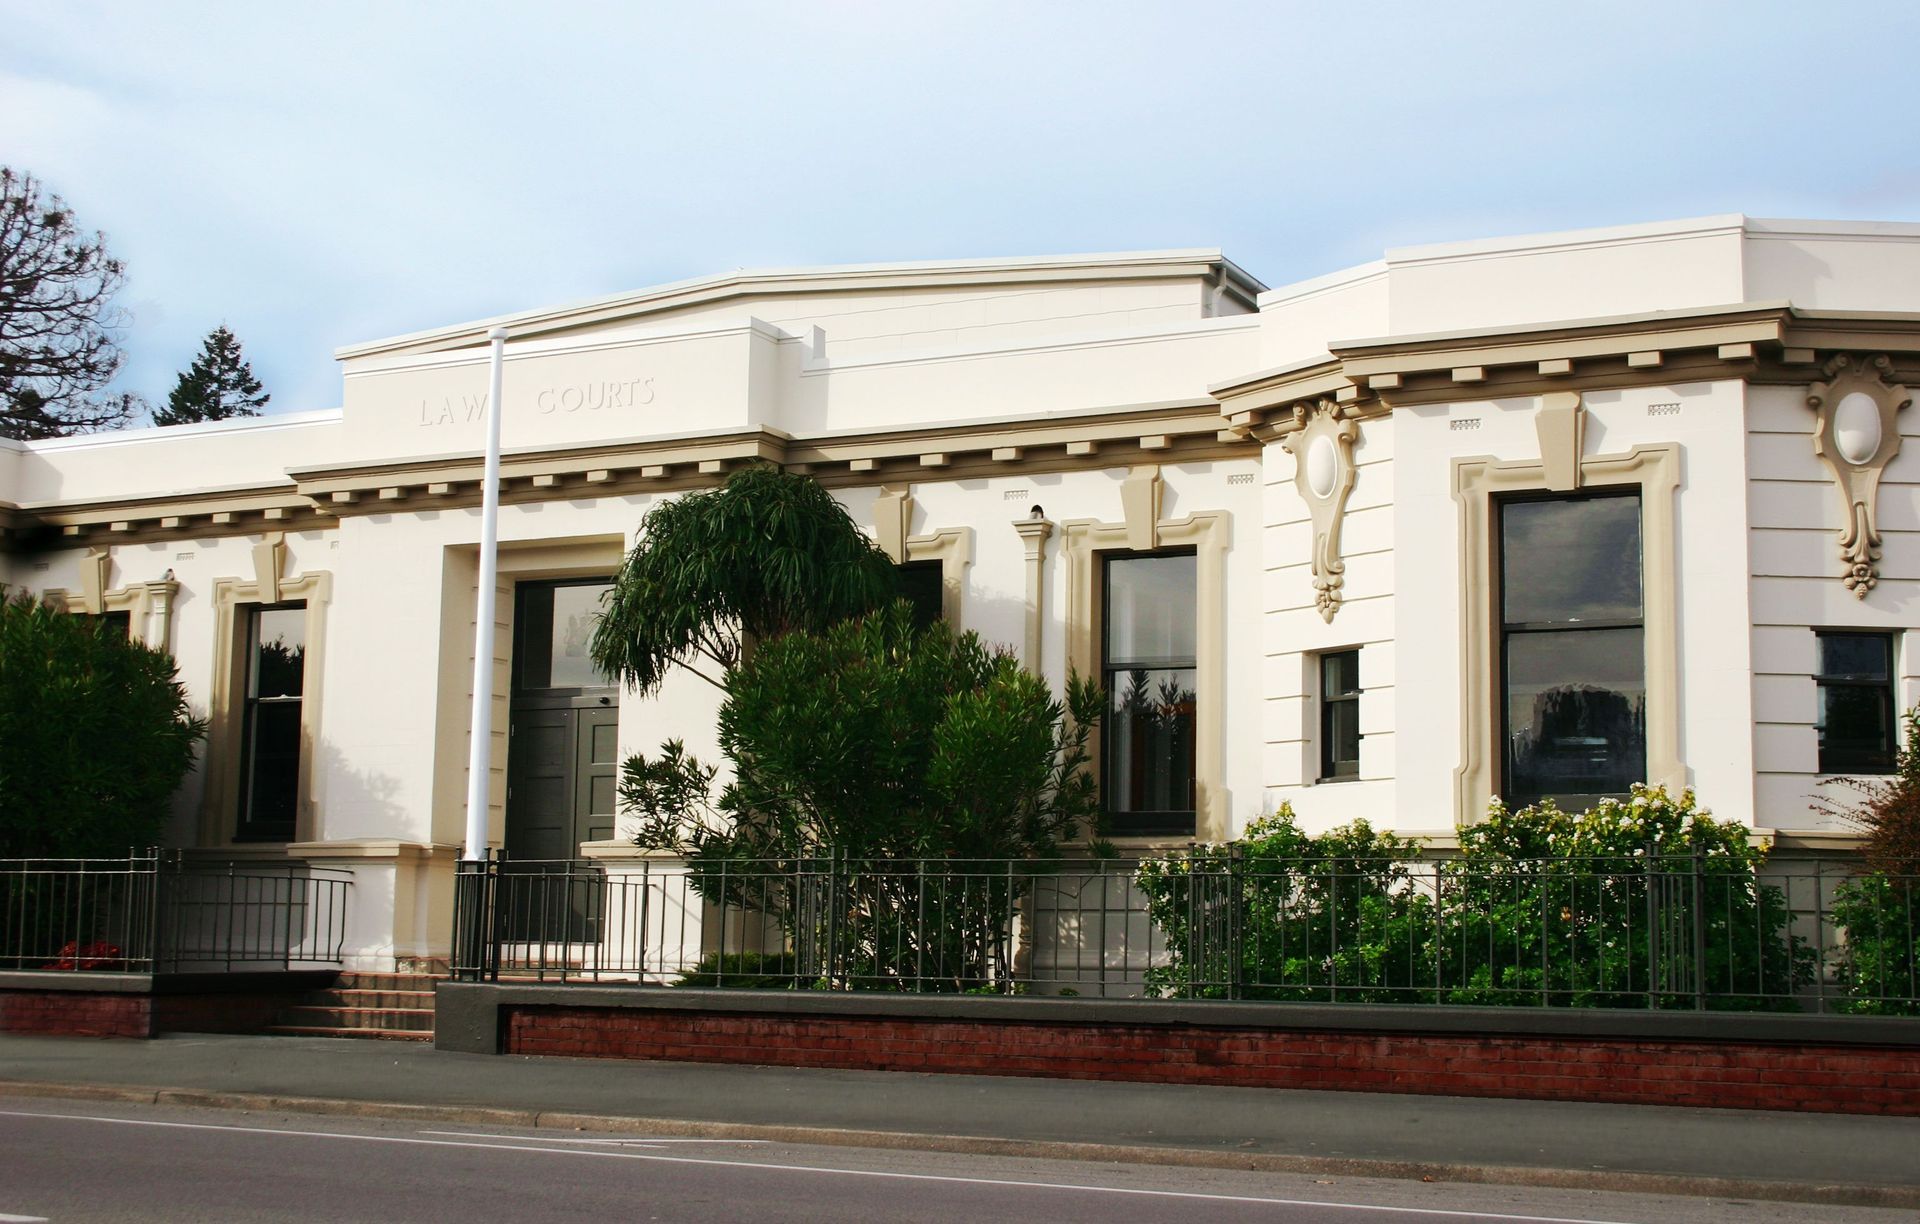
(158, 912)
(1688, 932)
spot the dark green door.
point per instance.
(562, 746)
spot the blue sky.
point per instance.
(317, 175)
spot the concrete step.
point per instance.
(365, 1034)
(387, 981)
(404, 999)
(412, 1020)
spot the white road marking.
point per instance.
(13, 1219)
(638, 1141)
(786, 1168)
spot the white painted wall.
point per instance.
(1582, 274)
(1294, 635)
(1795, 584)
(1715, 708)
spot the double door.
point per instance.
(562, 765)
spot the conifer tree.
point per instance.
(218, 385)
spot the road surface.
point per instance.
(101, 1161)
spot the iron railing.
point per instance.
(159, 912)
(1697, 931)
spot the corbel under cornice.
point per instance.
(318, 497)
(1773, 343)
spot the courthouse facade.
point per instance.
(1535, 516)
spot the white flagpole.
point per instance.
(479, 754)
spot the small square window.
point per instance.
(1858, 731)
(1340, 715)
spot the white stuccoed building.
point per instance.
(1522, 517)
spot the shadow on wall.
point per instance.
(353, 802)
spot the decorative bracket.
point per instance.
(892, 516)
(1857, 434)
(1323, 472)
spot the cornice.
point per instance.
(1180, 431)
(164, 517)
(1758, 342)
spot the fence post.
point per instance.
(1699, 926)
(646, 907)
(469, 913)
(1819, 936)
(156, 944)
(1236, 906)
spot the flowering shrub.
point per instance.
(1640, 902)
(96, 956)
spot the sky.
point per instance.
(318, 175)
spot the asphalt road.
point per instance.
(72, 1161)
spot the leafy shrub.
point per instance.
(857, 749)
(1880, 960)
(1288, 915)
(741, 971)
(1631, 904)
(1879, 913)
(95, 735)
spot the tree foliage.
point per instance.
(95, 735)
(218, 385)
(57, 349)
(875, 739)
(1886, 809)
(767, 554)
(859, 754)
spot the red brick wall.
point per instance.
(1831, 1078)
(218, 1013)
(76, 1013)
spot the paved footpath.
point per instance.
(1831, 1158)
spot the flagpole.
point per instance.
(479, 751)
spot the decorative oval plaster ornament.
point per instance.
(1856, 427)
(1322, 447)
(1323, 466)
(1856, 433)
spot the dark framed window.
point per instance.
(276, 646)
(1149, 626)
(120, 623)
(924, 585)
(1339, 715)
(553, 624)
(1573, 668)
(1858, 730)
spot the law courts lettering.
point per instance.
(548, 401)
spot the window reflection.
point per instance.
(276, 681)
(1148, 666)
(1857, 721)
(553, 635)
(1573, 649)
